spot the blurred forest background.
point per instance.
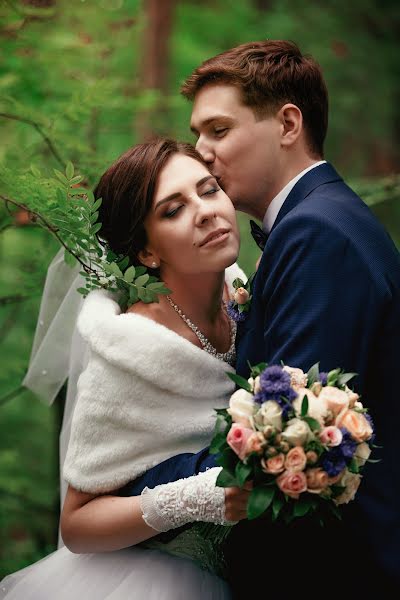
(81, 81)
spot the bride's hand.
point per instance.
(236, 500)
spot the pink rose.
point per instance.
(331, 436)
(237, 439)
(241, 295)
(356, 424)
(312, 457)
(317, 480)
(274, 465)
(295, 459)
(292, 484)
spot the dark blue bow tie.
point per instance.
(260, 237)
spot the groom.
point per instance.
(327, 290)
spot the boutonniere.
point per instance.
(239, 305)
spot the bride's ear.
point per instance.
(149, 259)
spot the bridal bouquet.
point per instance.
(302, 439)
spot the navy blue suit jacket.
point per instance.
(327, 290)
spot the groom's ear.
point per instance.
(148, 258)
(291, 120)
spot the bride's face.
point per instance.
(191, 226)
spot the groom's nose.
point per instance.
(206, 150)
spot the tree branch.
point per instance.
(38, 128)
(11, 395)
(50, 228)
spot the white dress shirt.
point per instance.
(277, 203)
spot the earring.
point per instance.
(154, 265)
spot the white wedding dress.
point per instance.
(168, 388)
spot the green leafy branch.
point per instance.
(70, 213)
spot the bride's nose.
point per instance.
(206, 212)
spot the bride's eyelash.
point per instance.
(172, 213)
(212, 191)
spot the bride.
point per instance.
(154, 376)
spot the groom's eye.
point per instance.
(220, 131)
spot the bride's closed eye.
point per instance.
(172, 212)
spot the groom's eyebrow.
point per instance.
(177, 194)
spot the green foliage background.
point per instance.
(70, 89)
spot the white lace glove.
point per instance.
(174, 504)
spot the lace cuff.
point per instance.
(184, 501)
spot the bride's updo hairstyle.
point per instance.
(127, 189)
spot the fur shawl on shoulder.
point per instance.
(146, 395)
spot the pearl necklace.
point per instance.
(228, 357)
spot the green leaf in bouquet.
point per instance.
(302, 506)
(259, 500)
(115, 270)
(333, 377)
(227, 460)
(304, 406)
(94, 217)
(312, 423)
(344, 378)
(240, 381)
(353, 466)
(217, 443)
(225, 479)
(257, 369)
(82, 291)
(313, 374)
(277, 504)
(242, 473)
(237, 283)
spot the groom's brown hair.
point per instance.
(269, 74)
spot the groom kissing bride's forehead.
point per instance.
(327, 289)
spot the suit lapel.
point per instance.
(320, 175)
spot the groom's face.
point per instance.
(242, 152)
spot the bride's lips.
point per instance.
(215, 237)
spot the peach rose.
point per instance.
(317, 480)
(241, 295)
(292, 484)
(356, 424)
(331, 436)
(295, 459)
(274, 465)
(312, 457)
(255, 443)
(237, 439)
(335, 399)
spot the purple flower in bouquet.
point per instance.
(337, 458)
(234, 313)
(323, 378)
(275, 385)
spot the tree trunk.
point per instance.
(155, 67)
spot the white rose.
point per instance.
(270, 413)
(297, 432)
(242, 407)
(257, 385)
(351, 481)
(317, 406)
(298, 379)
(362, 454)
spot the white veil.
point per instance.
(58, 352)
